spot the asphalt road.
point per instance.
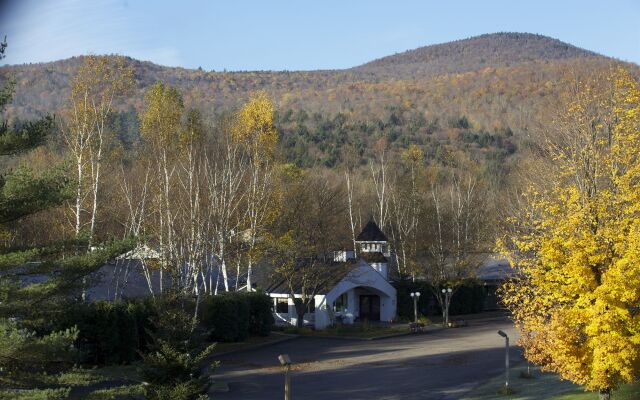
(444, 364)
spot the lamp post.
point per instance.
(285, 361)
(506, 357)
(415, 296)
(448, 292)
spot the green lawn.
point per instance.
(544, 386)
(626, 392)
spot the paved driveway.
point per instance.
(439, 365)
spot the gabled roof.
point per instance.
(332, 273)
(371, 233)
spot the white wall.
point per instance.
(363, 275)
(291, 317)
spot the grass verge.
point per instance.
(543, 386)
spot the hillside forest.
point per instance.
(233, 178)
(431, 144)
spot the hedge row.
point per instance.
(232, 317)
(468, 299)
(110, 333)
(116, 333)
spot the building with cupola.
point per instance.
(358, 290)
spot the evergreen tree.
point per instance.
(36, 283)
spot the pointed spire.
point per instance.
(371, 233)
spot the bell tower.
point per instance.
(373, 247)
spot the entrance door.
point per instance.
(370, 307)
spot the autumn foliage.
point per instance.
(577, 243)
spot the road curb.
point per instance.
(286, 337)
(366, 339)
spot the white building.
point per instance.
(359, 291)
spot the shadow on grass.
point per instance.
(541, 386)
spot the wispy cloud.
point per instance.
(169, 56)
(53, 29)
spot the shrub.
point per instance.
(173, 366)
(232, 317)
(174, 374)
(226, 316)
(110, 333)
(405, 302)
(36, 394)
(468, 299)
(26, 360)
(260, 313)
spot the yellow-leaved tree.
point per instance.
(576, 243)
(254, 131)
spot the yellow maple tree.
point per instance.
(254, 126)
(576, 243)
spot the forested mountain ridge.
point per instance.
(46, 82)
(489, 50)
(468, 93)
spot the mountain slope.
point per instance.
(488, 93)
(490, 50)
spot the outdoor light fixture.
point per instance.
(414, 296)
(285, 361)
(506, 357)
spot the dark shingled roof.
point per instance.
(371, 233)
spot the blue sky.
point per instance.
(298, 35)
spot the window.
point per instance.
(341, 303)
(282, 305)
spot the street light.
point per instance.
(415, 296)
(506, 357)
(285, 361)
(448, 292)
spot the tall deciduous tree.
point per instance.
(98, 83)
(255, 131)
(453, 242)
(381, 183)
(226, 172)
(304, 235)
(406, 206)
(577, 244)
(349, 159)
(160, 126)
